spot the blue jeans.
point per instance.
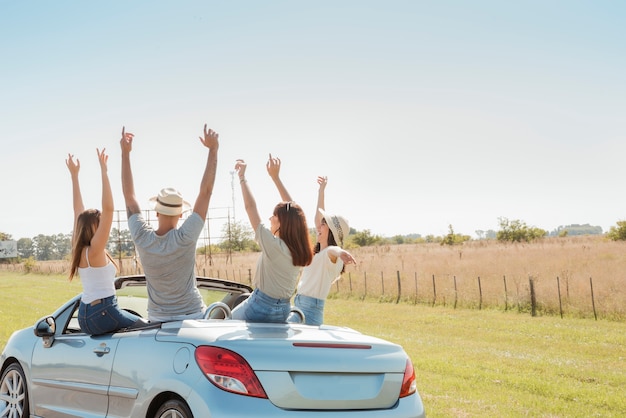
(260, 307)
(104, 317)
(312, 308)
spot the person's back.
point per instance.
(167, 254)
(169, 265)
(98, 312)
(285, 249)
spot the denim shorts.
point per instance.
(260, 307)
(312, 308)
(103, 317)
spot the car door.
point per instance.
(70, 374)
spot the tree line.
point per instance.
(238, 237)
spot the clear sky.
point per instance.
(423, 114)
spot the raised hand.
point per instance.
(103, 158)
(127, 141)
(273, 167)
(210, 139)
(73, 166)
(240, 168)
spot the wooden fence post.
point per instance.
(506, 301)
(480, 295)
(593, 302)
(558, 289)
(533, 301)
(399, 287)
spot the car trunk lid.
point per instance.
(314, 368)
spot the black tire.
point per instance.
(174, 408)
(14, 393)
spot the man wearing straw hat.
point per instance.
(168, 253)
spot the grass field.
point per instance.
(469, 363)
(583, 276)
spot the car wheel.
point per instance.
(174, 408)
(13, 393)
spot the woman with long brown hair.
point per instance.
(285, 249)
(98, 312)
(329, 258)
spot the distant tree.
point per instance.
(454, 239)
(432, 239)
(365, 238)
(618, 233)
(398, 239)
(238, 236)
(5, 237)
(62, 245)
(44, 247)
(518, 231)
(120, 242)
(576, 229)
(25, 248)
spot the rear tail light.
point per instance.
(229, 371)
(408, 381)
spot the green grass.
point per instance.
(468, 363)
(492, 363)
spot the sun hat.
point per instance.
(169, 202)
(338, 226)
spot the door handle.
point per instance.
(102, 350)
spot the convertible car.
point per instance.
(212, 367)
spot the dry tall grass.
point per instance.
(473, 275)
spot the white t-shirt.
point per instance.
(318, 276)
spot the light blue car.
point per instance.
(214, 367)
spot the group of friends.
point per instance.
(287, 266)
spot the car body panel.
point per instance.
(305, 370)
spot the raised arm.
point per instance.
(128, 186)
(101, 237)
(248, 199)
(210, 141)
(77, 198)
(322, 181)
(273, 169)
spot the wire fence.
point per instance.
(586, 298)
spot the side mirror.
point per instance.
(45, 328)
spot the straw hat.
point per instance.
(169, 202)
(338, 226)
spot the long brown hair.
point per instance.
(294, 232)
(86, 226)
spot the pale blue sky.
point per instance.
(421, 113)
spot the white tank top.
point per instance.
(98, 282)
